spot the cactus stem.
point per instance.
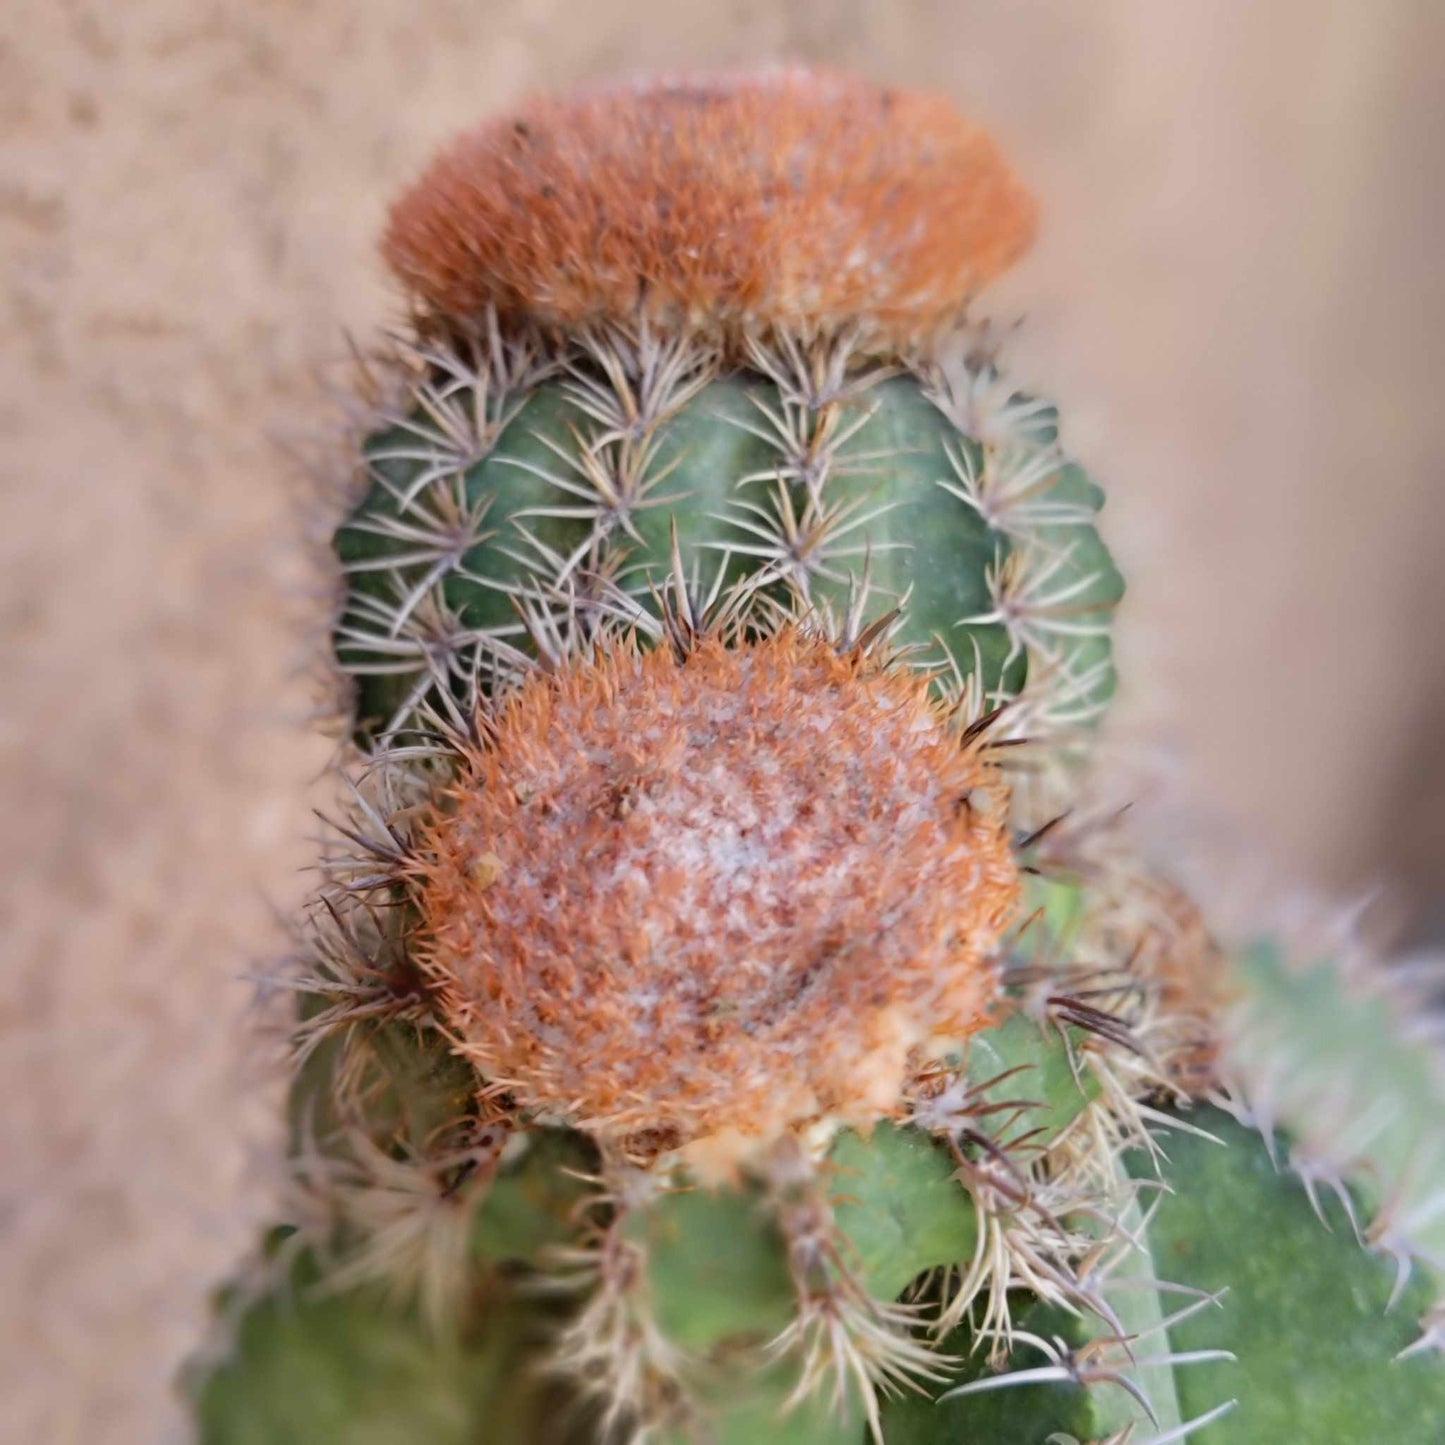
(413, 544)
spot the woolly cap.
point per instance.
(724, 896)
(779, 199)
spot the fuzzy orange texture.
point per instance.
(789, 198)
(717, 899)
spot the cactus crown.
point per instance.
(652, 907)
(789, 199)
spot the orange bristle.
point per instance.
(785, 199)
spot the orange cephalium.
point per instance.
(782, 199)
(717, 898)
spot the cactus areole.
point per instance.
(724, 1017)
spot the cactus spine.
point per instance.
(715, 1022)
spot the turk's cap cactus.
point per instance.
(722, 1018)
(721, 319)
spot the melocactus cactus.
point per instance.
(721, 319)
(721, 1020)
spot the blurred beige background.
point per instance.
(1238, 299)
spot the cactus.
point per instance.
(543, 438)
(722, 1018)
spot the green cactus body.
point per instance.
(501, 481)
(1306, 1313)
(720, 1020)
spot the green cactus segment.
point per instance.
(762, 1410)
(1061, 907)
(1042, 1409)
(718, 1286)
(1140, 1306)
(1067, 586)
(444, 542)
(897, 1203)
(421, 1092)
(1026, 1415)
(1076, 587)
(716, 1268)
(1305, 1311)
(899, 1206)
(717, 1264)
(923, 541)
(1323, 1058)
(311, 1367)
(719, 1283)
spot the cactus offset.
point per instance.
(711, 1027)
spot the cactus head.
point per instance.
(655, 909)
(787, 200)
